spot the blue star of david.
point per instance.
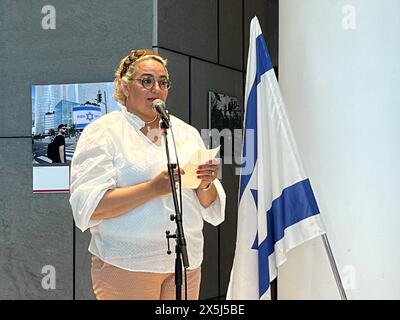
(89, 116)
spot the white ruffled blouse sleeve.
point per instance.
(215, 212)
(92, 174)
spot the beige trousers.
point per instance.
(113, 283)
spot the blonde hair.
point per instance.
(126, 69)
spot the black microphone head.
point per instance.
(159, 106)
(158, 103)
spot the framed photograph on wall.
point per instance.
(224, 118)
(224, 111)
(59, 114)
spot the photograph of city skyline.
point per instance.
(72, 105)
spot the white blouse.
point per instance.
(112, 152)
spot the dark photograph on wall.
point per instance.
(225, 115)
(59, 114)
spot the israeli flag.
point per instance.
(277, 209)
(83, 115)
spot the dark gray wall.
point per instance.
(189, 27)
(230, 36)
(89, 40)
(35, 230)
(219, 242)
(178, 96)
(205, 43)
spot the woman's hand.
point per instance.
(207, 173)
(161, 184)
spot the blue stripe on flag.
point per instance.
(264, 64)
(84, 108)
(296, 203)
(250, 124)
(254, 192)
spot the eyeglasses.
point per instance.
(148, 83)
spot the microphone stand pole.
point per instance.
(180, 247)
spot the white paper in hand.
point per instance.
(200, 156)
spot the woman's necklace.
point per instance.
(147, 124)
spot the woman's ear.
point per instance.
(125, 89)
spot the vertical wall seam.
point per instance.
(155, 23)
(190, 89)
(209, 121)
(218, 38)
(73, 261)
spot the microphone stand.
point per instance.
(180, 246)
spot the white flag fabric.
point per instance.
(83, 115)
(277, 209)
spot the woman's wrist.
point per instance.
(208, 187)
(151, 189)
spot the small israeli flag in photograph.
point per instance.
(83, 115)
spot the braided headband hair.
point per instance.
(135, 56)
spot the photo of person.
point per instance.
(56, 148)
(59, 114)
(225, 113)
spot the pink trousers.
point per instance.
(113, 283)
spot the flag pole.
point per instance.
(334, 268)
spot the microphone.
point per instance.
(159, 106)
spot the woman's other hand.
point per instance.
(161, 184)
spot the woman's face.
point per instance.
(139, 99)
